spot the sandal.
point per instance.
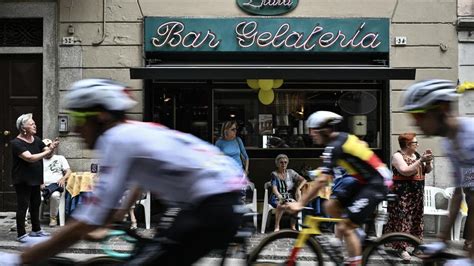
(133, 226)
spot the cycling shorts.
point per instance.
(185, 235)
(344, 189)
(358, 200)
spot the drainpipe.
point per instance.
(104, 2)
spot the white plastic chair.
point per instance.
(146, 202)
(62, 209)
(267, 207)
(253, 205)
(461, 217)
(381, 218)
(430, 204)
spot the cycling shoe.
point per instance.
(459, 262)
(432, 248)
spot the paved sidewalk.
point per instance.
(85, 250)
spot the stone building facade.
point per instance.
(428, 25)
(107, 40)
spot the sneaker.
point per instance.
(40, 233)
(53, 221)
(23, 238)
(405, 256)
(28, 240)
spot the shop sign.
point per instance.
(267, 7)
(307, 35)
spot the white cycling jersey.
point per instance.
(179, 168)
(461, 153)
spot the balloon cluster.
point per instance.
(265, 87)
(465, 86)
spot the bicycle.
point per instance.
(122, 232)
(309, 245)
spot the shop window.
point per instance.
(185, 108)
(281, 124)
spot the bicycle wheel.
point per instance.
(270, 252)
(56, 261)
(102, 260)
(385, 250)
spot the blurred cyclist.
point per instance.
(194, 179)
(347, 151)
(429, 103)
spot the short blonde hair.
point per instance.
(226, 125)
(22, 119)
(279, 157)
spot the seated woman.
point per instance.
(284, 188)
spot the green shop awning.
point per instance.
(174, 72)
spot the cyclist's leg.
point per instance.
(469, 192)
(343, 195)
(362, 206)
(345, 229)
(193, 233)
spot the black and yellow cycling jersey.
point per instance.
(354, 155)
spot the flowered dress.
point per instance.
(406, 213)
(284, 186)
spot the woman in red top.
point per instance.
(409, 169)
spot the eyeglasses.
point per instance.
(79, 118)
(423, 110)
(413, 142)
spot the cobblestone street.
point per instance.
(85, 250)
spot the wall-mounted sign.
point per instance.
(267, 7)
(307, 35)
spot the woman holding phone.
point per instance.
(409, 169)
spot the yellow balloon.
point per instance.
(265, 84)
(253, 84)
(277, 83)
(266, 97)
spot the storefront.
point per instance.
(201, 72)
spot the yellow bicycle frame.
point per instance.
(311, 228)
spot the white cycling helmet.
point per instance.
(108, 94)
(424, 94)
(322, 119)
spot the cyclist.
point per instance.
(347, 151)
(200, 184)
(429, 103)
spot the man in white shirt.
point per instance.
(56, 171)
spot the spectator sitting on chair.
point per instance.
(284, 188)
(56, 173)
